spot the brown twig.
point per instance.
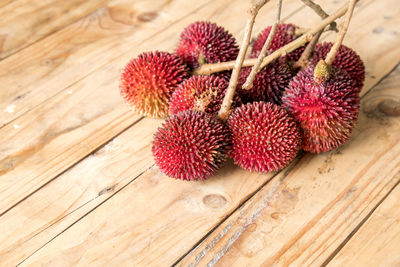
(303, 60)
(330, 57)
(230, 92)
(207, 69)
(256, 68)
(318, 9)
(301, 31)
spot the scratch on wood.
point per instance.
(242, 229)
(209, 246)
(107, 189)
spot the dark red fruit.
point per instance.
(264, 137)
(346, 59)
(191, 145)
(285, 33)
(149, 80)
(269, 83)
(327, 111)
(203, 93)
(205, 42)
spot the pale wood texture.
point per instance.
(34, 74)
(62, 207)
(377, 243)
(100, 116)
(304, 214)
(146, 131)
(92, 112)
(25, 21)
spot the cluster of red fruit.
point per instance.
(286, 109)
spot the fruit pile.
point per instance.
(286, 109)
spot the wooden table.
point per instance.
(78, 183)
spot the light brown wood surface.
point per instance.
(306, 212)
(62, 204)
(377, 243)
(23, 22)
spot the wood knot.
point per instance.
(147, 16)
(390, 107)
(380, 106)
(214, 201)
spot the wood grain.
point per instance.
(55, 144)
(24, 22)
(38, 219)
(47, 67)
(28, 239)
(186, 207)
(302, 216)
(5, 2)
(377, 243)
(68, 126)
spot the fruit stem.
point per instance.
(230, 92)
(330, 57)
(323, 69)
(256, 68)
(303, 60)
(318, 9)
(207, 69)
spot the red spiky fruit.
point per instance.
(149, 80)
(269, 83)
(203, 93)
(327, 111)
(191, 145)
(265, 137)
(345, 59)
(205, 42)
(285, 33)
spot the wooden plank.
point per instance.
(377, 243)
(24, 22)
(302, 216)
(183, 205)
(38, 219)
(5, 2)
(70, 125)
(22, 241)
(47, 67)
(55, 144)
(163, 217)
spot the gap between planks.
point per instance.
(125, 120)
(358, 227)
(40, 24)
(211, 242)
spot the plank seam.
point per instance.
(52, 32)
(73, 165)
(101, 66)
(357, 228)
(224, 219)
(294, 163)
(298, 158)
(87, 213)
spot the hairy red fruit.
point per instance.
(269, 83)
(327, 111)
(203, 93)
(149, 80)
(264, 137)
(205, 42)
(191, 145)
(346, 59)
(285, 33)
